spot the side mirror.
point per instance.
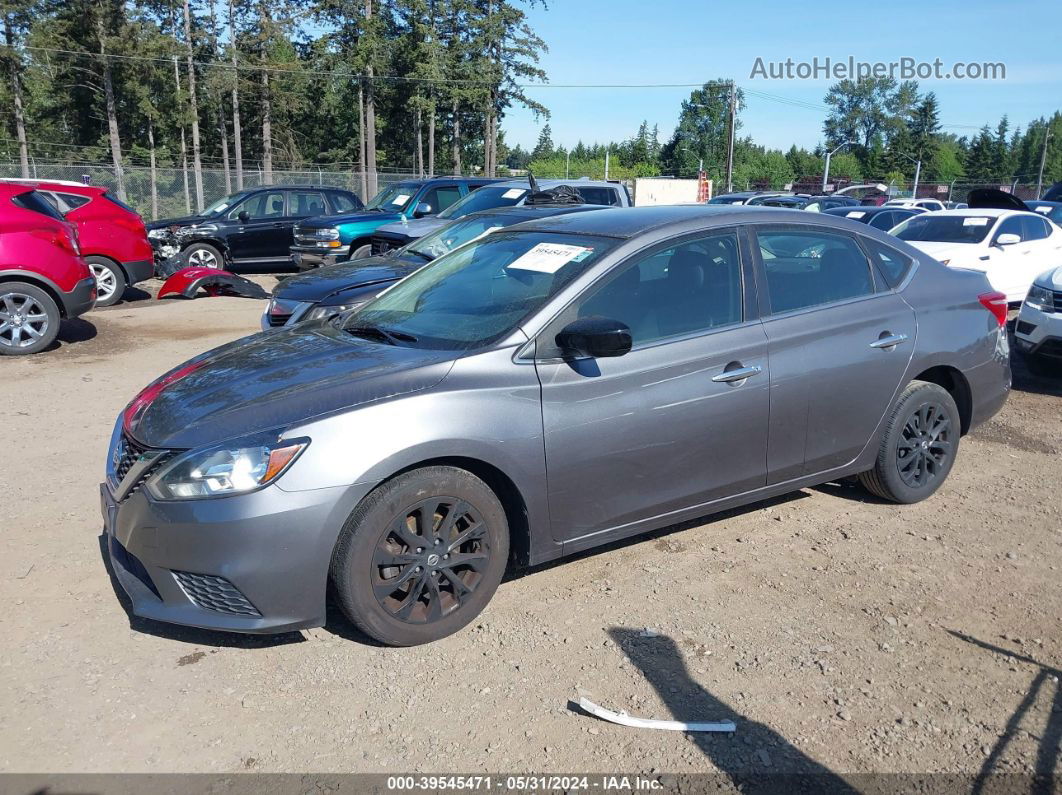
(423, 209)
(1007, 239)
(595, 337)
(243, 216)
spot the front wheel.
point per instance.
(203, 255)
(361, 252)
(29, 319)
(421, 556)
(110, 280)
(918, 447)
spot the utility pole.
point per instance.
(1043, 162)
(918, 173)
(567, 162)
(606, 164)
(730, 142)
(826, 171)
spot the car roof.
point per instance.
(58, 185)
(993, 212)
(869, 209)
(530, 212)
(546, 184)
(628, 222)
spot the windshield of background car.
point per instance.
(727, 200)
(457, 233)
(484, 199)
(1050, 211)
(222, 204)
(481, 291)
(945, 228)
(393, 198)
(31, 200)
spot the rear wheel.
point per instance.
(918, 447)
(203, 255)
(110, 280)
(421, 556)
(29, 319)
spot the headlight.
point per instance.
(234, 468)
(319, 311)
(1040, 298)
(158, 234)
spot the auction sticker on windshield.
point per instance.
(550, 257)
(514, 193)
(855, 214)
(975, 222)
(400, 199)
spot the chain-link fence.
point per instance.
(174, 188)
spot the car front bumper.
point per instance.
(1038, 333)
(253, 563)
(81, 299)
(307, 257)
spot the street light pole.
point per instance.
(1043, 161)
(730, 142)
(826, 172)
(918, 173)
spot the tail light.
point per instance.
(996, 303)
(58, 237)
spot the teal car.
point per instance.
(327, 239)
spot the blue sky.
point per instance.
(677, 42)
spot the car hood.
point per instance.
(1052, 280)
(948, 251)
(418, 227)
(350, 218)
(276, 379)
(183, 220)
(321, 282)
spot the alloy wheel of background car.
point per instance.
(421, 556)
(110, 281)
(203, 256)
(29, 319)
(918, 447)
(361, 252)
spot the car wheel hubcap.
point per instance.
(105, 281)
(23, 320)
(202, 258)
(925, 446)
(430, 560)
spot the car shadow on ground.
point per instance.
(191, 635)
(72, 332)
(1024, 381)
(1047, 756)
(755, 758)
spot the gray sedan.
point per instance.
(547, 388)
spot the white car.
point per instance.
(929, 205)
(1038, 332)
(1011, 247)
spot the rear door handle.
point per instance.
(737, 374)
(891, 341)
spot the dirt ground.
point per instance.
(842, 634)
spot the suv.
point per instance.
(112, 235)
(335, 238)
(601, 193)
(252, 227)
(1038, 330)
(43, 278)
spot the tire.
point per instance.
(361, 252)
(110, 280)
(918, 447)
(203, 255)
(1042, 367)
(29, 319)
(419, 598)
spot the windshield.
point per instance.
(945, 228)
(392, 198)
(727, 200)
(479, 292)
(222, 204)
(1052, 211)
(484, 199)
(457, 233)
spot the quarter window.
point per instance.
(692, 287)
(892, 264)
(812, 268)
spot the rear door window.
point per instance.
(302, 203)
(811, 268)
(73, 201)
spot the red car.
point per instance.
(113, 239)
(43, 278)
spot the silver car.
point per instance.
(552, 386)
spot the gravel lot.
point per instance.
(843, 635)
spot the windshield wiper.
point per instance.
(389, 336)
(421, 254)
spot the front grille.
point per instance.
(312, 235)
(381, 245)
(215, 593)
(280, 311)
(1058, 300)
(128, 452)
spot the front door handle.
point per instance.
(889, 342)
(737, 374)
